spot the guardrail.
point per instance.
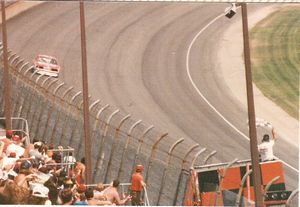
(54, 114)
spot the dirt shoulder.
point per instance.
(231, 57)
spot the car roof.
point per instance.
(46, 56)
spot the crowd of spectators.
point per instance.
(38, 174)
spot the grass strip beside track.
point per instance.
(275, 51)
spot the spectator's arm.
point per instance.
(123, 201)
(26, 178)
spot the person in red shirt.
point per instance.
(137, 183)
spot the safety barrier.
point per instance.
(54, 114)
(19, 126)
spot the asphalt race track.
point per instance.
(137, 62)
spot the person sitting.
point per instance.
(266, 148)
(113, 196)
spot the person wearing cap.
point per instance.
(25, 175)
(266, 148)
(137, 183)
(39, 196)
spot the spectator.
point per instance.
(266, 148)
(12, 147)
(66, 197)
(24, 175)
(89, 194)
(113, 196)
(98, 192)
(39, 195)
(35, 152)
(18, 140)
(51, 184)
(48, 157)
(9, 134)
(80, 198)
(79, 172)
(137, 183)
(15, 194)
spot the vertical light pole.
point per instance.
(6, 76)
(87, 145)
(251, 112)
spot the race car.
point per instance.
(47, 65)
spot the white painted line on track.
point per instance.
(203, 97)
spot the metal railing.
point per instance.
(65, 163)
(19, 126)
(125, 190)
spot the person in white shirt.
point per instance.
(266, 148)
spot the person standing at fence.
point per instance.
(137, 184)
(111, 193)
(266, 148)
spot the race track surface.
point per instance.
(137, 62)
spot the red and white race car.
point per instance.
(47, 65)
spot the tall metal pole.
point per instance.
(6, 76)
(251, 112)
(87, 145)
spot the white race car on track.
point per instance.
(47, 65)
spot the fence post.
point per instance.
(13, 60)
(98, 118)
(94, 104)
(181, 172)
(78, 113)
(19, 62)
(209, 156)
(269, 185)
(113, 145)
(46, 89)
(95, 132)
(51, 106)
(219, 188)
(10, 57)
(33, 117)
(294, 193)
(166, 168)
(80, 108)
(152, 156)
(55, 123)
(100, 156)
(126, 145)
(23, 66)
(28, 69)
(196, 156)
(238, 197)
(30, 98)
(141, 140)
(57, 116)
